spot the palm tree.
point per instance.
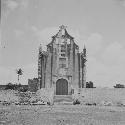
(19, 72)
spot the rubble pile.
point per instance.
(8, 96)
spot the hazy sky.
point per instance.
(99, 24)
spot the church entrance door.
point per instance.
(62, 87)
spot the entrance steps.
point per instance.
(63, 99)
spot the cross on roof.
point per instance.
(62, 27)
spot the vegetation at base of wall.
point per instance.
(18, 87)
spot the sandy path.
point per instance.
(61, 115)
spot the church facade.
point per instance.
(62, 67)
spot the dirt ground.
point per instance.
(61, 115)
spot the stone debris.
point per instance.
(106, 103)
(46, 97)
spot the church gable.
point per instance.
(62, 60)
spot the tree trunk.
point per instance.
(18, 79)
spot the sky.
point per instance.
(99, 24)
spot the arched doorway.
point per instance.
(62, 87)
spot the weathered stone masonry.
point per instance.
(62, 67)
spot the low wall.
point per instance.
(87, 95)
(103, 94)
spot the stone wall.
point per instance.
(33, 85)
(98, 95)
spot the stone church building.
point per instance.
(62, 67)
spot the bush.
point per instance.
(76, 102)
(23, 89)
(19, 87)
(10, 86)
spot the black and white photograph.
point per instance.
(62, 62)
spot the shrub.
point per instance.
(76, 102)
